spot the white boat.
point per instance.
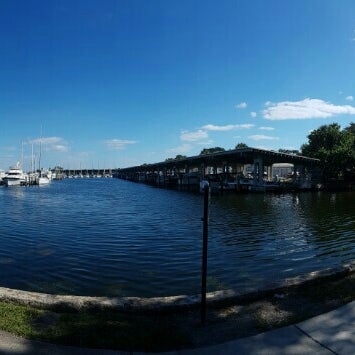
(43, 178)
(50, 175)
(2, 175)
(15, 176)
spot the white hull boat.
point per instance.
(43, 180)
(15, 176)
(12, 182)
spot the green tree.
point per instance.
(241, 145)
(205, 151)
(348, 152)
(178, 157)
(335, 148)
(351, 128)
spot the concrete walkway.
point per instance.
(330, 333)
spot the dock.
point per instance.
(240, 169)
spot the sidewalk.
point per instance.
(329, 333)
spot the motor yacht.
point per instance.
(15, 176)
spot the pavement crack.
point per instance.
(315, 340)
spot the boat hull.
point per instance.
(43, 181)
(12, 182)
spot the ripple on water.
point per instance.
(112, 237)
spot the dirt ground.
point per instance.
(249, 318)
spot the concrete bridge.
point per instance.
(236, 168)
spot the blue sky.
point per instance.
(121, 83)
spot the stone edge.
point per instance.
(168, 303)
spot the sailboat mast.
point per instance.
(22, 154)
(40, 155)
(32, 165)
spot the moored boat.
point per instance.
(43, 178)
(2, 175)
(15, 176)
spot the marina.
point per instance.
(15, 176)
(243, 169)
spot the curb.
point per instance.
(169, 303)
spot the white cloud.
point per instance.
(182, 149)
(259, 137)
(305, 109)
(242, 105)
(56, 144)
(253, 114)
(267, 128)
(118, 143)
(350, 98)
(209, 142)
(245, 126)
(193, 136)
(46, 140)
(229, 127)
(59, 148)
(211, 127)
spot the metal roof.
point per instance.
(241, 156)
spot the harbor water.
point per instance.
(108, 237)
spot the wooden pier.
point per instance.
(238, 169)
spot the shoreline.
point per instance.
(56, 302)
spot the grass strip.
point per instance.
(111, 330)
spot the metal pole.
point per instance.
(206, 191)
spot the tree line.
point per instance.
(335, 148)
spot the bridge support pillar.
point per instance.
(202, 171)
(258, 170)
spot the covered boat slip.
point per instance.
(244, 168)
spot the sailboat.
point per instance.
(42, 178)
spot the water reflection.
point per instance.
(111, 237)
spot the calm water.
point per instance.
(112, 237)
